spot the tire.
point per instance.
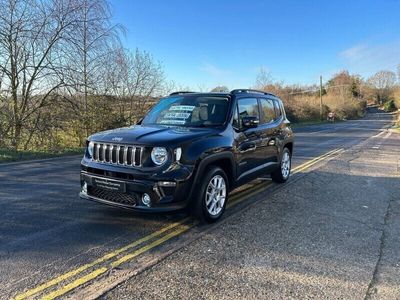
(282, 174)
(208, 206)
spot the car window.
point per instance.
(278, 109)
(188, 110)
(268, 110)
(248, 107)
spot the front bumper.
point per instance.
(157, 209)
(166, 194)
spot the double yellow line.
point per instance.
(177, 226)
(316, 160)
(159, 237)
(262, 186)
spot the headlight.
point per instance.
(90, 149)
(159, 155)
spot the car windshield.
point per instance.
(188, 111)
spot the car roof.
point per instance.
(235, 92)
(200, 94)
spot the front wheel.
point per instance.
(282, 174)
(212, 197)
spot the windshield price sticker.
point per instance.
(182, 107)
(173, 122)
(177, 115)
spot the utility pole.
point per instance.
(320, 97)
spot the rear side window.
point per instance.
(268, 111)
(278, 110)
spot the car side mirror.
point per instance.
(250, 122)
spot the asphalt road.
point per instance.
(340, 249)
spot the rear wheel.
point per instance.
(212, 197)
(282, 174)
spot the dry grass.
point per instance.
(396, 96)
(7, 155)
(307, 108)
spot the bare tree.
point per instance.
(383, 82)
(64, 73)
(263, 79)
(86, 52)
(398, 73)
(201, 88)
(137, 79)
(169, 86)
(30, 31)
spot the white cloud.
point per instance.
(214, 71)
(370, 58)
(354, 53)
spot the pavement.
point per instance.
(331, 232)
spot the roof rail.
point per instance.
(250, 91)
(180, 93)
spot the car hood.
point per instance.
(152, 135)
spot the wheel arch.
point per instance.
(289, 145)
(224, 160)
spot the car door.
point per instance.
(269, 126)
(247, 140)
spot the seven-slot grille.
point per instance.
(118, 154)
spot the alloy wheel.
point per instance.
(215, 195)
(285, 165)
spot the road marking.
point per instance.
(96, 262)
(261, 186)
(254, 190)
(240, 197)
(379, 144)
(129, 256)
(96, 273)
(387, 135)
(379, 134)
(316, 160)
(74, 284)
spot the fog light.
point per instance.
(146, 199)
(84, 188)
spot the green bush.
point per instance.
(389, 106)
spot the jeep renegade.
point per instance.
(189, 151)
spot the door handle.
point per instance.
(248, 149)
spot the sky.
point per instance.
(202, 44)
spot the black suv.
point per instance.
(189, 151)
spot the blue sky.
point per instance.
(207, 43)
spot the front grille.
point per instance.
(118, 154)
(112, 196)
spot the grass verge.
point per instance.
(8, 155)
